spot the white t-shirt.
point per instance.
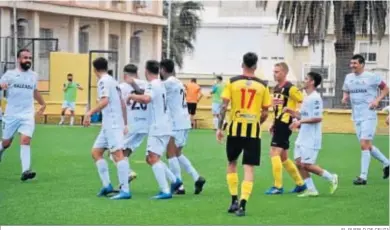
(112, 113)
(310, 135)
(177, 104)
(137, 113)
(20, 93)
(159, 120)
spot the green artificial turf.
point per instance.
(64, 192)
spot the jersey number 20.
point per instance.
(244, 93)
(138, 106)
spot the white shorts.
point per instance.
(216, 108)
(134, 140)
(365, 130)
(68, 105)
(307, 155)
(180, 137)
(157, 144)
(11, 125)
(111, 139)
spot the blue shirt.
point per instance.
(362, 89)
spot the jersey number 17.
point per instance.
(244, 94)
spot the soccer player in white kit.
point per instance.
(181, 125)
(361, 89)
(160, 129)
(19, 116)
(308, 142)
(137, 113)
(114, 126)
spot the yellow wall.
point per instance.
(334, 121)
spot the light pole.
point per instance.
(169, 29)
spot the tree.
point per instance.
(184, 25)
(350, 17)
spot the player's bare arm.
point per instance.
(136, 88)
(384, 92)
(345, 97)
(103, 102)
(221, 118)
(79, 87)
(144, 99)
(38, 97)
(264, 115)
(293, 113)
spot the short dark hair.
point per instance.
(100, 64)
(153, 66)
(219, 77)
(316, 77)
(250, 59)
(69, 75)
(21, 51)
(168, 65)
(130, 68)
(110, 72)
(359, 58)
(193, 80)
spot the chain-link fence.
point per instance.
(40, 49)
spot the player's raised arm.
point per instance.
(4, 81)
(79, 87)
(136, 88)
(145, 98)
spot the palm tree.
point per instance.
(312, 18)
(184, 25)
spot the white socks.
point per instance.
(71, 120)
(377, 154)
(25, 157)
(159, 173)
(174, 166)
(215, 122)
(327, 175)
(123, 173)
(169, 174)
(365, 164)
(310, 184)
(62, 120)
(186, 164)
(103, 172)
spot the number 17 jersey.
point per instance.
(248, 97)
(177, 104)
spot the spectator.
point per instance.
(194, 95)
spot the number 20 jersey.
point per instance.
(248, 97)
(177, 104)
(137, 113)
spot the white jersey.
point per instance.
(20, 93)
(159, 120)
(362, 89)
(112, 113)
(177, 104)
(310, 135)
(137, 113)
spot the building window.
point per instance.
(113, 45)
(46, 44)
(83, 42)
(318, 69)
(135, 49)
(369, 51)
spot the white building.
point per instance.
(231, 28)
(131, 28)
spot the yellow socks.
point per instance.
(292, 169)
(277, 171)
(232, 181)
(246, 190)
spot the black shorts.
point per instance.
(191, 108)
(281, 135)
(250, 146)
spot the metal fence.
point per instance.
(40, 49)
